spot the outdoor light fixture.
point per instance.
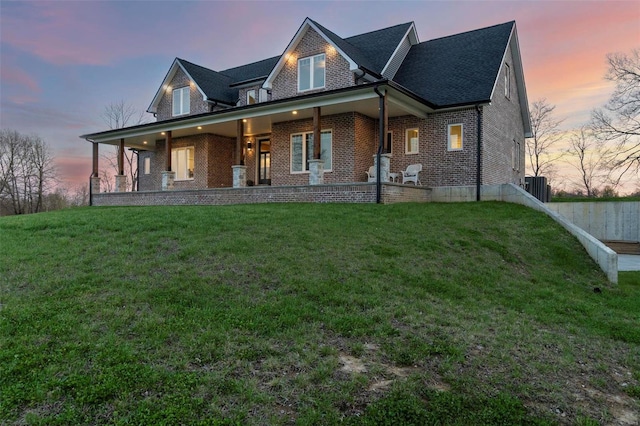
(249, 145)
(199, 127)
(294, 112)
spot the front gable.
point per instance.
(304, 43)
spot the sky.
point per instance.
(62, 62)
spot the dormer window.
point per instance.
(251, 97)
(181, 101)
(311, 73)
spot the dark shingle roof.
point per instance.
(459, 69)
(214, 84)
(349, 49)
(378, 46)
(251, 71)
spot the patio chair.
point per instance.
(371, 174)
(412, 174)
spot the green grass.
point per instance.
(479, 313)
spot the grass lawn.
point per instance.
(456, 314)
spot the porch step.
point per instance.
(624, 247)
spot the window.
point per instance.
(181, 101)
(455, 137)
(302, 150)
(147, 165)
(515, 155)
(182, 163)
(507, 81)
(389, 142)
(311, 73)
(251, 97)
(411, 142)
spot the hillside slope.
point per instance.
(479, 313)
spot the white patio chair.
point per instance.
(371, 174)
(412, 174)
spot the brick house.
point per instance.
(328, 108)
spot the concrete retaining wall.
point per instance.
(606, 258)
(606, 220)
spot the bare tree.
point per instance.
(546, 133)
(585, 154)
(117, 115)
(27, 172)
(618, 123)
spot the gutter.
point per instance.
(380, 145)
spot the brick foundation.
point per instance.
(336, 193)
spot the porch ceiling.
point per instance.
(259, 118)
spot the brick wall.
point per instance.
(502, 124)
(337, 74)
(197, 105)
(337, 193)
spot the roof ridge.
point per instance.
(250, 63)
(470, 31)
(379, 30)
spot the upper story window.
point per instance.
(251, 97)
(411, 141)
(311, 72)
(507, 81)
(455, 137)
(181, 101)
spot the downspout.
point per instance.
(90, 179)
(358, 77)
(380, 145)
(479, 152)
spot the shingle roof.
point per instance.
(378, 46)
(349, 49)
(251, 71)
(455, 70)
(215, 85)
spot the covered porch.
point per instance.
(251, 145)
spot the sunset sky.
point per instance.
(62, 62)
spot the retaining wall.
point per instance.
(611, 220)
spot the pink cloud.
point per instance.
(14, 76)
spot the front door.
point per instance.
(264, 155)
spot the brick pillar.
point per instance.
(316, 172)
(239, 176)
(95, 185)
(121, 183)
(385, 165)
(167, 180)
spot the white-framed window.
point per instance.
(147, 166)
(251, 97)
(182, 162)
(507, 80)
(181, 101)
(454, 132)
(263, 95)
(412, 137)
(515, 155)
(311, 72)
(302, 150)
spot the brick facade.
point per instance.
(337, 73)
(501, 126)
(197, 105)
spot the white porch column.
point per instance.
(239, 176)
(316, 172)
(167, 180)
(121, 183)
(385, 165)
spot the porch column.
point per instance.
(239, 169)
(121, 179)
(385, 166)
(167, 175)
(316, 165)
(95, 176)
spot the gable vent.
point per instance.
(394, 64)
